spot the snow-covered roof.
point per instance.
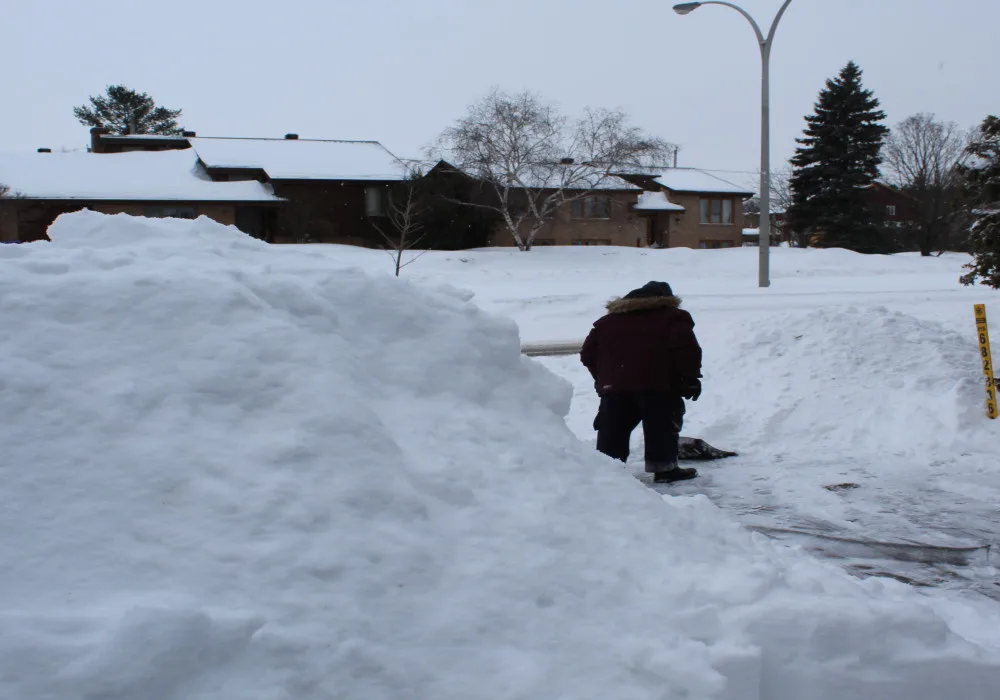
(693, 180)
(302, 159)
(604, 181)
(577, 177)
(656, 201)
(144, 137)
(143, 176)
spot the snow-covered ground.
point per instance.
(850, 371)
(240, 471)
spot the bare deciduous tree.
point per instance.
(403, 215)
(781, 195)
(781, 189)
(920, 157)
(535, 160)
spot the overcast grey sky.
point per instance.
(399, 71)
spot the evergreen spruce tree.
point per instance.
(121, 109)
(982, 186)
(836, 159)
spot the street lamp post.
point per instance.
(764, 275)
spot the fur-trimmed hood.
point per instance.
(624, 306)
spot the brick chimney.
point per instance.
(96, 146)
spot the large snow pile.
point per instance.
(236, 471)
(876, 380)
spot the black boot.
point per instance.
(675, 474)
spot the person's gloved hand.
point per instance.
(691, 389)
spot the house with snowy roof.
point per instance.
(670, 207)
(690, 208)
(598, 210)
(289, 190)
(333, 190)
(43, 185)
(277, 189)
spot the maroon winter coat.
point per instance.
(643, 344)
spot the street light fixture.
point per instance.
(686, 7)
(764, 277)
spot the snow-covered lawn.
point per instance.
(238, 471)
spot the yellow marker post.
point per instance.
(984, 352)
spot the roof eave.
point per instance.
(141, 200)
(745, 195)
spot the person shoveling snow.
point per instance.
(645, 360)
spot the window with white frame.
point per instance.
(890, 210)
(716, 211)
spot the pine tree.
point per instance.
(982, 186)
(121, 109)
(838, 157)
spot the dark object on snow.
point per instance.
(679, 474)
(847, 486)
(645, 359)
(698, 449)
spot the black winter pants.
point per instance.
(661, 415)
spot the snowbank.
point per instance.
(876, 380)
(232, 470)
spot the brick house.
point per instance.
(333, 190)
(44, 185)
(891, 205)
(603, 216)
(701, 210)
(675, 207)
(283, 190)
(290, 190)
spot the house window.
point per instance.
(593, 207)
(716, 211)
(591, 241)
(170, 211)
(374, 201)
(890, 210)
(713, 244)
(544, 241)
